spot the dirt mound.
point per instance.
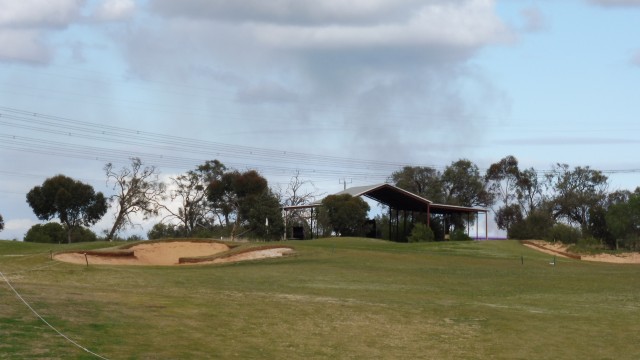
(167, 253)
(560, 249)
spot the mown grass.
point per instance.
(337, 298)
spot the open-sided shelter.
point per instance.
(402, 201)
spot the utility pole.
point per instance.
(344, 182)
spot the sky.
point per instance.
(338, 92)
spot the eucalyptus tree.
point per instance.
(76, 204)
(575, 192)
(138, 191)
(421, 180)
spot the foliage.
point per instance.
(46, 233)
(535, 226)
(245, 197)
(421, 232)
(575, 192)
(508, 215)
(623, 221)
(502, 178)
(529, 191)
(565, 234)
(264, 217)
(55, 233)
(165, 231)
(1, 223)
(463, 185)
(459, 235)
(76, 204)
(137, 191)
(190, 190)
(343, 214)
(420, 180)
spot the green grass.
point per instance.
(337, 298)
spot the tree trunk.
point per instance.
(115, 227)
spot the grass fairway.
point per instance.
(337, 298)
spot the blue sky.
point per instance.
(333, 90)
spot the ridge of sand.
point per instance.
(166, 253)
(558, 249)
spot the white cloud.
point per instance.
(115, 10)
(39, 13)
(616, 2)
(469, 25)
(325, 58)
(23, 45)
(24, 26)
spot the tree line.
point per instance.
(566, 204)
(572, 205)
(211, 200)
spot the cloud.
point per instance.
(115, 10)
(23, 45)
(327, 60)
(38, 13)
(615, 2)
(25, 24)
(635, 60)
(534, 19)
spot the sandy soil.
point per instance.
(169, 253)
(555, 248)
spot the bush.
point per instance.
(459, 235)
(55, 233)
(46, 233)
(420, 233)
(565, 234)
(536, 226)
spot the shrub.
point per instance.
(46, 233)
(421, 232)
(565, 234)
(459, 235)
(55, 233)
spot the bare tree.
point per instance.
(137, 191)
(298, 192)
(189, 190)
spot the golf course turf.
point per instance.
(335, 298)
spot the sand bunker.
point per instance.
(559, 249)
(169, 253)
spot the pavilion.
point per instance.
(402, 201)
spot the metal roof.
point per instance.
(399, 199)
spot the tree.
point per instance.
(420, 180)
(343, 214)
(464, 186)
(502, 179)
(264, 217)
(164, 231)
(190, 190)
(137, 191)
(529, 191)
(236, 194)
(298, 192)
(623, 220)
(1, 223)
(46, 233)
(73, 202)
(575, 192)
